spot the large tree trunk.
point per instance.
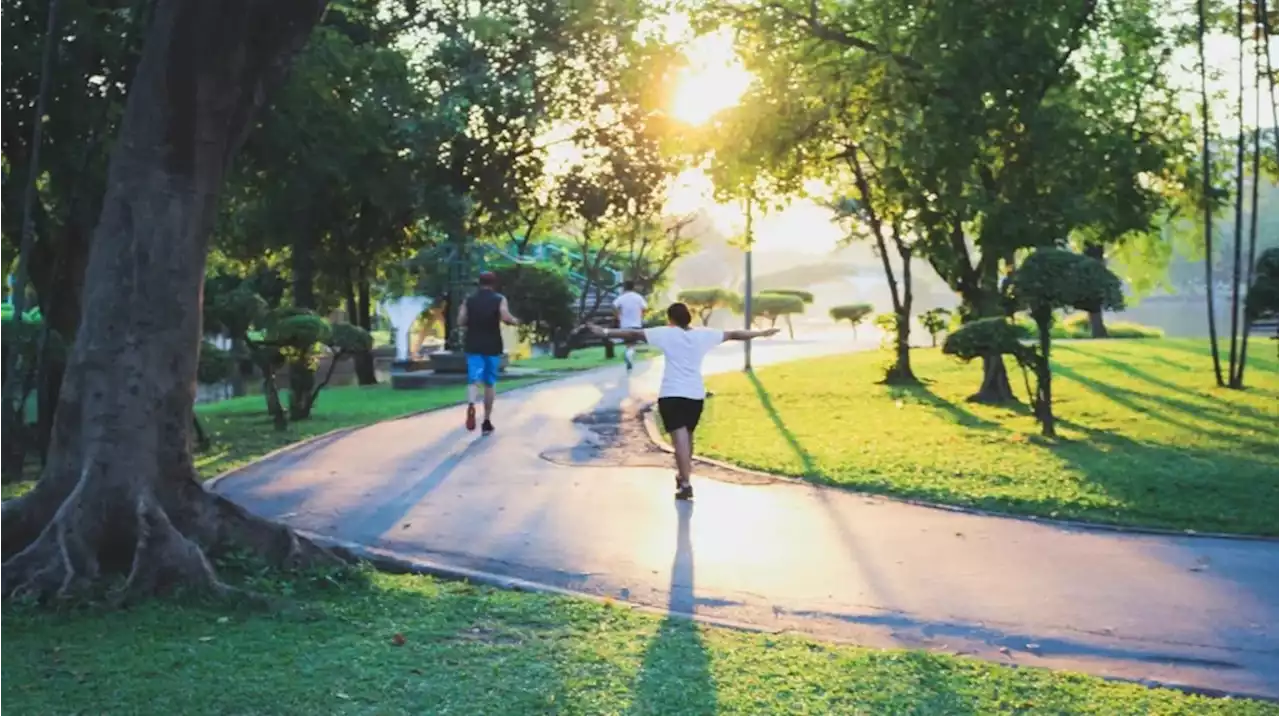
(995, 388)
(119, 495)
(1097, 325)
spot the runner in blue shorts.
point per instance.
(482, 315)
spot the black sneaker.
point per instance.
(684, 493)
(486, 428)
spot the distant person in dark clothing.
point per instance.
(482, 316)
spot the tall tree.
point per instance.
(119, 495)
(1001, 135)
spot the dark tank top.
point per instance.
(484, 320)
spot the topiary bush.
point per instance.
(215, 365)
(854, 313)
(705, 301)
(772, 306)
(1050, 280)
(804, 296)
(986, 336)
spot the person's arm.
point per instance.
(504, 312)
(626, 334)
(743, 335)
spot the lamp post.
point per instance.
(746, 345)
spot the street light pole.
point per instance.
(746, 345)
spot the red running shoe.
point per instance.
(471, 416)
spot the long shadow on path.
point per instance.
(675, 677)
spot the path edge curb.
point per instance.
(213, 481)
(389, 562)
(655, 437)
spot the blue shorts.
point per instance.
(482, 368)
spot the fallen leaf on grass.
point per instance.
(398, 639)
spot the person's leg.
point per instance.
(682, 442)
(629, 355)
(490, 379)
(475, 371)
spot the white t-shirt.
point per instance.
(684, 351)
(630, 307)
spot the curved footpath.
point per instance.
(1191, 611)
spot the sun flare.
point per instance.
(714, 80)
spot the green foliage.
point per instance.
(1076, 327)
(234, 312)
(854, 313)
(1052, 279)
(704, 301)
(804, 296)
(31, 315)
(543, 298)
(935, 321)
(345, 338)
(1262, 300)
(772, 306)
(215, 364)
(297, 329)
(888, 324)
(986, 336)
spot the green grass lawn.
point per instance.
(470, 650)
(1146, 438)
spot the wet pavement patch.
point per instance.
(616, 437)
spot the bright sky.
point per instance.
(715, 80)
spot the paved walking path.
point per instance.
(1194, 611)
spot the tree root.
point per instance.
(155, 545)
(59, 561)
(230, 526)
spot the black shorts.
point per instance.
(679, 413)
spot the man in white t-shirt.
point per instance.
(629, 309)
(682, 392)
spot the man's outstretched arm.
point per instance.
(626, 334)
(504, 312)
(748, 335)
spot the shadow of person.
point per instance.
(675, 677)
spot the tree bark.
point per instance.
(120, 495)
(900, 371)
(1097, 325)
(1237, 380)
(364, 364)
(1044, 378)
(1206, 189)
(304, 271)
